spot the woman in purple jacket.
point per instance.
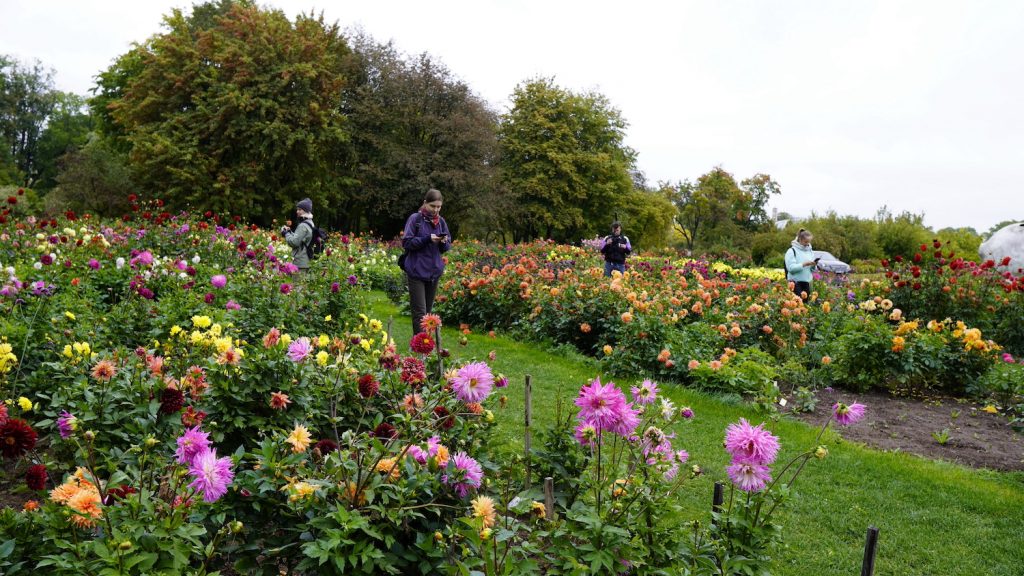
(425, 239)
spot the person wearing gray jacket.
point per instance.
(300, 238)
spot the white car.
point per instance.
(829, 263)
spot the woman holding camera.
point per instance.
(800, 261)
(425, 239)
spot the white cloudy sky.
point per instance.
(848, 105)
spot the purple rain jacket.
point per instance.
(423, 260)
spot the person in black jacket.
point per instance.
(615, 249)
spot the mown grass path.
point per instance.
(935, 518)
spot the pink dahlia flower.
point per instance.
(211, 475)
(299, 349)
(645, 393)
(473, 382)
(749, 477)
(192, 443)
(464, 474)
(847, 415)
(751, 444)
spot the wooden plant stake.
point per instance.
(717, 499)
(870, 550)
(528, 421)
(549, 498)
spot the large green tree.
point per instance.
(67, 129)
(647, 218)
(415, 126)
(234, 109)
(753, 198)
(713, 201)
(93, 178)
(563, 162)
(26, 101)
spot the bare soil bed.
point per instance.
(972, 437)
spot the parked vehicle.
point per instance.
(829, 263)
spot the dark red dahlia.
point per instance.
(413, 371)
(384, 431)
(16, 438)
(446, 419)
(35, 478)
(171, 401)
(120, 492)
(368, 387)
(325, 446)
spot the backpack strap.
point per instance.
(312, 232)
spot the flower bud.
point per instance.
(237, 526)
(438, 537)
(820, 452)
(485, 534)
(125, 545)
(90, 435)
(150, 442)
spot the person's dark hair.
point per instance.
(802, 234)
(433, 195)
(616, 224)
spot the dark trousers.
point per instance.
(421, 300)
(799, 287)
(609, 266)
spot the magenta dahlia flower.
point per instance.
(645, 393)
(751, 444)
(749, 477)
(190, 444)
(464, 474)
(67, 424)
(847, 415)
(211, 475)
(473, 382)
(218, 281)
(586, 433)
(604, 405)
(299, 349)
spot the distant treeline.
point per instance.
(237, 110)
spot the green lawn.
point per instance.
(935, 518)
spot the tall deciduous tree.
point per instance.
(563, 162)
(714, 200)
(755, 193)
(647, 217)
(66, 130)
(236, 109)
(414, 127)
(93, 178)
(26, 101)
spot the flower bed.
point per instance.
(740, 330)
(179, 399)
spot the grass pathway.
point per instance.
(935, 518)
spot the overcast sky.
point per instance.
(848, 105)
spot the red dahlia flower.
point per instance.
(171, 401)
(35, 478)
(16, 438)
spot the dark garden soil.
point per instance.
(972, 437)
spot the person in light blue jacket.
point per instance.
(800, 261)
